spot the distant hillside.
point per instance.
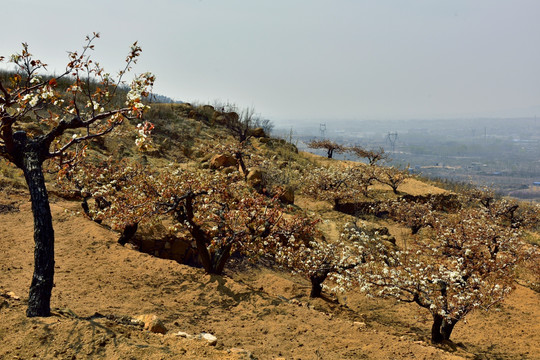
(157, 98)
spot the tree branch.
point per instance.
(79, 140)
(6, 97)
(6, 133)
(77, 123)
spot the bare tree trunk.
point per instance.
(42, 281)
(240, 159)
(317, 279)
(447, 328)
(186, 213)
(128, 233)
(442, 328)
(211, 264)
(222, 258)
(436, 335)
(200, 241)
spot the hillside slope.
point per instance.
(95, 275)
(254, 310)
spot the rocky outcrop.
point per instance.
(152, 323)
(255, 178)
(258, 133)
(157, 241)
(222, 161)
(286, 196)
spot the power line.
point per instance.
(322, 130)
(392, 138)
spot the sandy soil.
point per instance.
(100, 285)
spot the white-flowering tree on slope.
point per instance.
(78, 105)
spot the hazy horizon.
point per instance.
(316, 60)
(336, 124)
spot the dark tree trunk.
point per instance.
(85, 207)
(241, 163)
(442, 328)
(221, 259)
(200, 240)
(447, 328)
(436, 335)
(211, 264)
(330, 153)
(186, 213)
(316, 288)
(31, 162)
(128, 233)
(316, 283)
(336, 204)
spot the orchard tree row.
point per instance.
(223, 214)
(466, 261)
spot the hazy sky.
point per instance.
(308, 59)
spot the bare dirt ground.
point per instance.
(100, 285)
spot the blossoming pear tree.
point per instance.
(338, 185)
(413, 214)
(518, 215)
(319, 261)
(78, 105)
(222, 213)
(468, 264)
(391, 176)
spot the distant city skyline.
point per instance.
(308, 59)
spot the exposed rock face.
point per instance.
(258, 133)
(208, 108)
(152, 323)
(224, 118)
(222, 160)
(287, 196)
(210, 339)
(255, 175)
(255, 178)
(157, 241)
